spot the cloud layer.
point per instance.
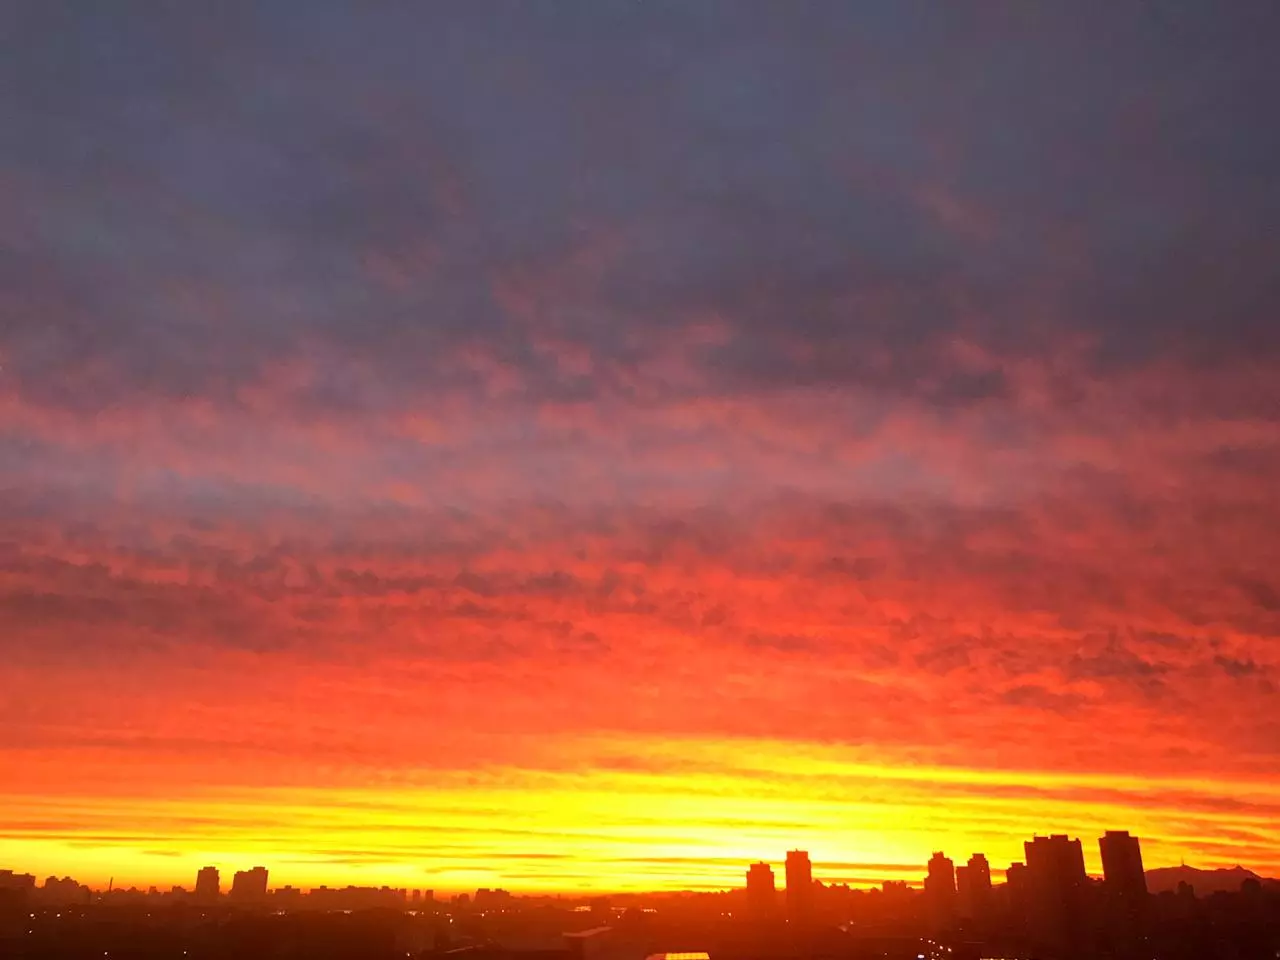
(509, 408)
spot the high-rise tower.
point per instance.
(762, 894)
(940, 890)
(207, 885)
(799, 886)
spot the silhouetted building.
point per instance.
(249, 886)
(799, 886)
(1122, 872)
(499, 899)
(762, 894)
(1125, 887)
(21, 882)
(973, 888)
(1056, 884)
(591, 944)
(940, 890)
(1017, 894)
(207, 884)
(59, 892)
(286, 898)
(358, 898)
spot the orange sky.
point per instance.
(601, 446)
(611, 814)
(544, 700)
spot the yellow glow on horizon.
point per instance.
(592, 828)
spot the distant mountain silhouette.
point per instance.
(1205, 882)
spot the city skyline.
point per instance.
(1120, 866)
(588, 445)
(1047, 908)
(625, 857)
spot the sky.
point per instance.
(596, 445)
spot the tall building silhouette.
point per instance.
(1056, 884)
(973, 888)
(940, 890)
(1017, 892)
(1124, 885)
(1123, 876)
(249, 886)
(207, 885)
(761, 890)
(799, 886)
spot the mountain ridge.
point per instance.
(1226, 879)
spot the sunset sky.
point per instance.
(595, 445)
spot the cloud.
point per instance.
(665, 372)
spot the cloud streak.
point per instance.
(704, 379)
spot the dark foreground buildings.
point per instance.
(1047, 908)
(1122, 873)
(973, 890)
(940, 892)
(250, 886)
(1056, 891)
(762, 894)
(207, 885)
(799, 887)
